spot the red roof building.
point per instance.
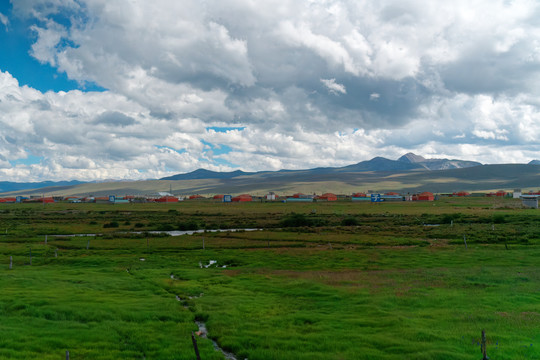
(242, 198)
(500, 193)
(167, 199)
(425, 196)
(327, 197)
(196, 197)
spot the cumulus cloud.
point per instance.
(310, 83)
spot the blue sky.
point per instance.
(14, 57)
(99, 89)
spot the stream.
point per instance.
(171, 233)
(203, 332)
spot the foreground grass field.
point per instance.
(322, 281)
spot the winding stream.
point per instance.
(203, 332)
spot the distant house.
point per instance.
(327, 197)
(218, 197)
(167, 199)
(360, 197)
(461, 194)
(196, 197)
(271, 196)
(242, 198)
(530, 201)
(500, 193)
(425, 196)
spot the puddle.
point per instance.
(203, 332)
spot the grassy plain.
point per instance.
(321, 280)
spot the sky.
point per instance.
(135, 89)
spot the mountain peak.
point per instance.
(436, 164)
(412, 158)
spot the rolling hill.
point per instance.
(409, 177)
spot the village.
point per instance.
(530, 198)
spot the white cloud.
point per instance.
(334, 87)
(458, 79)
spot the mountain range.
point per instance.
(409, 173)
(408, 161)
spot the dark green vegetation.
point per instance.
(322, 281)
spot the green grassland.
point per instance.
(320, 280)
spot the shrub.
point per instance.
(349, 221)
(188, 225)
(296, 220)
(112, 224)
(165, 227)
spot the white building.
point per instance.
(530, 201)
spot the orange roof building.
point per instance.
(242, 198)
(327, 197)
(425, 196)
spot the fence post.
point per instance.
(45, 239)
(203, 242)
(56, 252)
(87, 244)
(195, 346)
(67, 354)
(483, 346)
(10, 262)
(465, 241)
